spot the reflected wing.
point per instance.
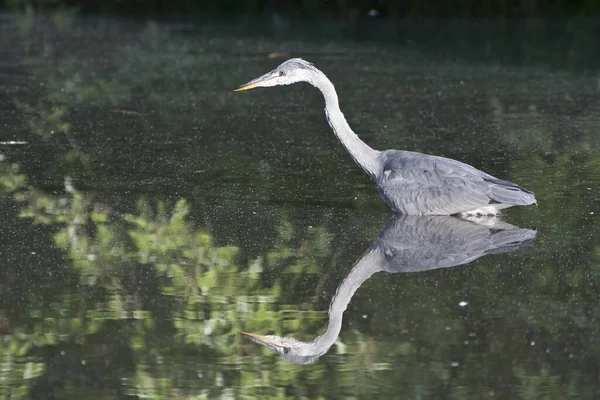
(416, 183)
(418, 243)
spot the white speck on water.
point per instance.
(447, 328)
(472, 334)
(33, 252)
(455, 364)
(12, 142)
(83, 362)
(62, 353)
(532, 343)
(462, 303)
(365, 316)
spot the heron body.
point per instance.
(409, 182)
(414, 183)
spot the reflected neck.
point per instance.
(368, 264)
(363, 154)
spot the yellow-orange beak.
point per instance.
(247, 86)
(262, 340)
(258, 82)
(254, 336)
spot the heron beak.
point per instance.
(258, 82)
(262, 340)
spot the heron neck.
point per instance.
(362, 153)
(367, 265)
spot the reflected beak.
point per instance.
(262, 340)
(258, 82)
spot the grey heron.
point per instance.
(405, 244)
(409, 182)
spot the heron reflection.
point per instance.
(404, 244)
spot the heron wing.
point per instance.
(415, 183)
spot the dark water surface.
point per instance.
(151, 214)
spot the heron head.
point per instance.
(291, 349)
(291, 71)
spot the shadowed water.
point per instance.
(151, 214)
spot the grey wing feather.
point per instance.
(506, 192)
(415, 183)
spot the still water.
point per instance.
(151, 215)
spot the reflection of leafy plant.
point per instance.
(300, 257)
(543, 386)
(202, 282)
(45, 122)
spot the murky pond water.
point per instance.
(151, 215)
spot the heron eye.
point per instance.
(281, 73)
(286, 350)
